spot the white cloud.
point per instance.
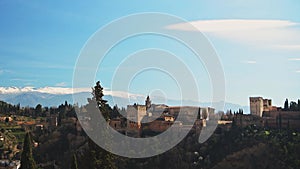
(294, 59)
(298, 71)
(122, 94)
(4, 71)
(22, 80)
(61, 84)
(281, 34)
(231, 25)
(250, 61)
(62, 90)
(289, 47)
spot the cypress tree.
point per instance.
(286, 104)
(27, 161)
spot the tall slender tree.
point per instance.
(98, 94)
(102, 104)
(27, 161)
(286, 104)
(100, 158)
(38, 110)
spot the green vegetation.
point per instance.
(100, 158)
(292, 106)
(27, 161)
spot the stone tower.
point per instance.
(135, 114)
(256, 106)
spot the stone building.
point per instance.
(117, 123)
(258, 105)
(135, 114)
(159, 117)
(272, 116)
(243, 120)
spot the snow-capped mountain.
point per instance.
(54, 96)
(49, 90)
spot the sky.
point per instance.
(257, 42)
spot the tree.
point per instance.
(38, 110)
(100, 158)
(66, 103)
(286, 104)
(27, 161)
(74, 164)
(98, 94)
(6, 119)
(293, 106)
(59, 118)
(241, 111)
(101, 103)
(115, 112)
(298, 104)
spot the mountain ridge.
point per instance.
(32, 98)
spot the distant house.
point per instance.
(39, 127)
(169, 118)
(118, 123)
(6, 119)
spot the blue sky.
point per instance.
(41, 40)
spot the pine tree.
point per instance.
(102, 104)
(98, 94)
(100, 158)
(27, 161)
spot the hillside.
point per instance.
(260, 156)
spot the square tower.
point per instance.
(256, 106)
(135, 114)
